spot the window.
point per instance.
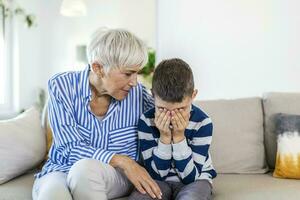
(6, 104)
(2, 58)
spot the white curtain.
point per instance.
(9, 64)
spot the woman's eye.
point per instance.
(128, 74)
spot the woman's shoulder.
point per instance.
(63, 76)
(67, 82)
(69, 78)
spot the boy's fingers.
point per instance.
(159, 119)
(167, 123)
(162, 115)
(165, 119)
(185, 114)
(159, 111)
(174, 120)
(158, 114)
(181, 120)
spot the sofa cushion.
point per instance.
(18, 189)
(237, 144)
(287, 128)
(277, 103)
(22, 144)
(254, 186)
(226, 186)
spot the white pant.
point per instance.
(87, 179)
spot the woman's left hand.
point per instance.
(138, 176)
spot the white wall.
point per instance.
(50, 47)
(236, 48)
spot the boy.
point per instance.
(175, 136)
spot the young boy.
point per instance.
(175, 136)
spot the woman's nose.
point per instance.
(133, 81)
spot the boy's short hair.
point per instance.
(173, 80)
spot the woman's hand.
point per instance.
(180, 121)
(137, 175)
(162, 122)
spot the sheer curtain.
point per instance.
(8, 61)
(2, 60)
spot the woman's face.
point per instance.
(118, 81)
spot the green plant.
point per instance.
(9, 11)
(41, 99)
(146, 73)
(149, 67)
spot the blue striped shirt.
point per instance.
(185, 161)
(78, 133)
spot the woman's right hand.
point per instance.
(138, 176)
(162, 122)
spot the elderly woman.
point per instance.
(93, 115)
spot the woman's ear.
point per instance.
(194, 94)
(98, 69)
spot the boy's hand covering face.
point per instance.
(172, 118)
(180, 121)
(162, 122)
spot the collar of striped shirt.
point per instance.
(87, 93)
(84, 83)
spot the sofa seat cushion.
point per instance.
(18, 188)
(258, 187)
(226, 187)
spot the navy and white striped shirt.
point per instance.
(185, 161)
(78, 134)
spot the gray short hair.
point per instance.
(116, 48)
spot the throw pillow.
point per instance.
(288, 146)
(22, 144)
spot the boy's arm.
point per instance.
(189, 160)
(156, 155)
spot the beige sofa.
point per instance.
(243, 150)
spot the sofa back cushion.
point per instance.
(274, 103)
(238, 141)
(22, 144)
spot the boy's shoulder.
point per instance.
(197, 114)
(149, 114)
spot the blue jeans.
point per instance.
(198, 190)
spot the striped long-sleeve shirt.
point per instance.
(78, 133)
(185, 161)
